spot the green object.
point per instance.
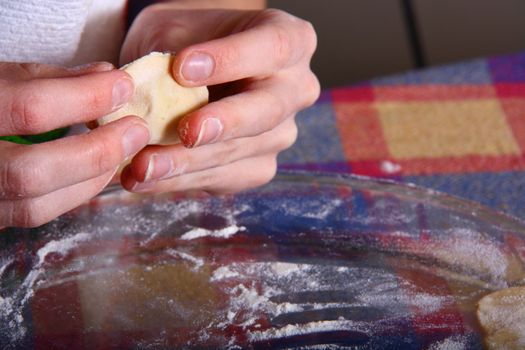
(40, 138)
(15, 139)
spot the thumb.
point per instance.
(164, 28)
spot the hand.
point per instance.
(40, 182)
(257, 66)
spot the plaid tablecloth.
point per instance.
(457, 128)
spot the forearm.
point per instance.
(237, 4)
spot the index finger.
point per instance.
(275, 40)
(38, 105)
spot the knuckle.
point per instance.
(282, 46)
(279, 109)
(147, 12)
(228, 153)
(155, 37)
(159, 38)
(313, 90)
(98, 99)
(29, 70)
(309, 36)
(277, 14)
(271, 15)
(24, 108)
(211, 183)
(267, 173)
(227, 56)
(26, 213)
(99, 159)
(151, 10)
(288, 27)
(21, 180)
(288, 137)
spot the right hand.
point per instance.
(41, 182)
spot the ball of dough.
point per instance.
(502, 316)
(158, 99)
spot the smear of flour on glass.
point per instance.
(152, 226)
(197, 262)
(222, 273)
(315, 209)
(11, 307)
(306, 328)
(271, 289)
(452, 343)
(457, 250)
(226, 232)
(61, 246)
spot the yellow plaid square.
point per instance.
(433, 129)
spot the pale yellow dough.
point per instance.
(502, 316)
(158, 98)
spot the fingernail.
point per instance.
(93, 67)
(211, 130)
(135, 138)
(122, 91)
(197, 66)
(159, 168)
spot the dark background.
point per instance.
(361, 39)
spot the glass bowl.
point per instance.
(310, 261)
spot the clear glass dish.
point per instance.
(310, 261)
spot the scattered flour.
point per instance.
(225, 233)
(316, 209)
(4, 265)
(61, 246)
(285, 269)
(222, 273)
(456, 249)
(259, 291)
(390, 167)
(305, 328)
(452, 343)
(11, 307)
(263, 290)
(198, 262)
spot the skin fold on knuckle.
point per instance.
(282, 46)
(145, 22)
(263, 171)
(24, 108)
(226, 58)
(312, 91)
(295, 38)
(288, 137)
(270, 170)
(217, 181)
(26, 213)
(29, 70)
(279, 109)
(155, 38)
(97, 102)
(102, 154)
(228, 152)
(309, 36)
(20, 179)
(306, 82)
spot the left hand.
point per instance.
(257, 67)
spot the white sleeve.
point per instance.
(103, 32)
(41, 31)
